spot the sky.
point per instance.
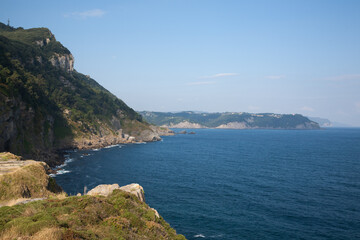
(212, 55)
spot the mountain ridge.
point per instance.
(46, 105)
(230, 120)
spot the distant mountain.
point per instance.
(234, 120)
(46, 105)
(323, 122)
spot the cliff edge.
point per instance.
(45, 212)
(46, 105)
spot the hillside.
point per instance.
(323, 122)
(233, 120)
(46, 105)
(33, 206)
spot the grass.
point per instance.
(30, 181)
(118, 216)
(5, 156)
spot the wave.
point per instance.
(111, 146)
(140, 143)
(68, 160)
(199, 236)
(95, 149)
(59, 172)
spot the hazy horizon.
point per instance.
(213, 56)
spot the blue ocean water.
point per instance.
(238, 184)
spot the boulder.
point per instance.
(135, 189)
(106, 189)
(103, 189)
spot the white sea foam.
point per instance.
(111, 146)
(96, 149)
(199, 236)
(68, 160)
(59, 172)
(62, 171)
(140, 142)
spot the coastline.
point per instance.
(127, 139)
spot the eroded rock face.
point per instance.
(149, 136)
(106, 189)
(63, 61)
(234, 125)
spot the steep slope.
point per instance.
(33, 206)
(46, 105)
(233, 120)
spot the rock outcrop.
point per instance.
(106, 189)
(136, 190)
(103, 189)
(63, 61)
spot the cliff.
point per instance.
(21, 180)
(46, 105)
(229, 120)
(44, 212)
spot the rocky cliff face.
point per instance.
(184, 124)
(46, 105)
(64, 61)
(231, 120)
(234, 125)
(15, 117)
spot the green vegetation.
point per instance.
(118, 216)
(51, 105)
(213, 120)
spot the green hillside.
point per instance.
(230, 120)
(46, 105)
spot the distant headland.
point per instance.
(229, 120)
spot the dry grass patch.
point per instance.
(5, 156)
(30, 181)
(53, 233)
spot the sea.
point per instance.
(237, 184)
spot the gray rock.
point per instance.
(103, 189)
(106, 189)
(135, 189)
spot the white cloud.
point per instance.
(87, 14)
(200, 83)
(219, 75)
(344, 77)
(275, 77)
(307, 109)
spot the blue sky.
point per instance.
(251, 56)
